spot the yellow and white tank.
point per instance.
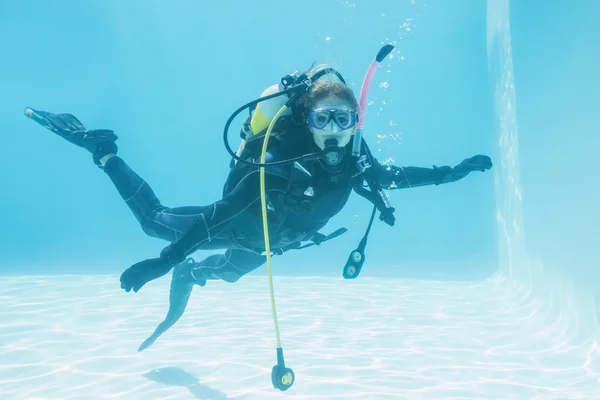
(266, 109)
(264, 113)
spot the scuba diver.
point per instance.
(314, 160)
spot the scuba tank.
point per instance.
(261, 116)
(265, 110)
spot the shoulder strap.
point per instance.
(375, 194)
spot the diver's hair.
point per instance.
(323, 90)
(327, 86)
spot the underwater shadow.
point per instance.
(173, 376)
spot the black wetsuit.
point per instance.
(302, 197)
(300, 203)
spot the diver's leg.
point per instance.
(229, 267)
(156, 220)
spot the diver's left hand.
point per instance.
(143, 272)
(475, 163)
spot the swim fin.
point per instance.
(99, 142)
(179, 295)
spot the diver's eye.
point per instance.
(322, 118)
(343, 120)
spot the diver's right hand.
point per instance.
(136, 276)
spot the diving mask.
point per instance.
(328, 123)
(344, 119)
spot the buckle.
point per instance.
(362, 164)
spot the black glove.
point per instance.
(143, 272)
(475, 163)
(136, 276)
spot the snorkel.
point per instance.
(356, 258)
(364, 94)
(283, 377)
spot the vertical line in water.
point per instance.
(574, 308)
(513, 261)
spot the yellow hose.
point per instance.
(263, 200)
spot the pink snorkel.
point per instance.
(364, 93)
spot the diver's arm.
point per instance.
(215, 219)
(393, 177)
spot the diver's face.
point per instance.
(332, 118)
